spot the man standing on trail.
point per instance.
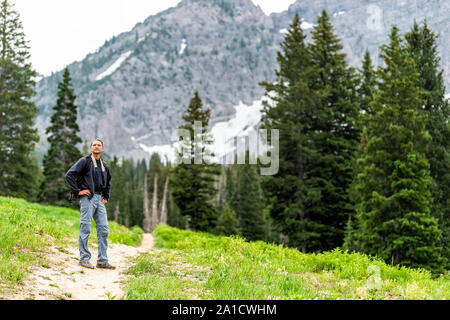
(90, 181)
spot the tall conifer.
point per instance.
(63, 138)
(19, 170)
(422, 45)
(291, 110)
(192, 183)
(248, 203)
(336, 134)
(368, 82)
(393, 182)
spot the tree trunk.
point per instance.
(163, 218)
(155, 204)
(147, 216)
(116, 212)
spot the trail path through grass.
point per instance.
(63, 278)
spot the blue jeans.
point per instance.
(95, 209)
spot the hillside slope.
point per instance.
(195, 265)
(39, 254)
(134, 89)
(39, 260)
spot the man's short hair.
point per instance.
(97, 140)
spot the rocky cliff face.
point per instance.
(367, 24)
(136, 87)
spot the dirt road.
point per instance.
(64, 278)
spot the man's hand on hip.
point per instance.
(85, 192)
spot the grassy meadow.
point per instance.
(27, 228)
(195, 265)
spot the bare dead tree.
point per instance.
(147, 216)
(154, 222)
(163, 218)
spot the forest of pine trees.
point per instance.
(364, 153)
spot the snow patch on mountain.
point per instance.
(304, 25)
(182, 46)
(338, 13)
(114, 66)
(225, 134)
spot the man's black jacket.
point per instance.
(81, 176)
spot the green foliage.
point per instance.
(63, 153)
(315, 110)
(228, 224)
(192, 182)
(421, 43)
(393, 181)
(19, 172)
(211, 267)
(246, 200)
(368, 83)
(26, 229)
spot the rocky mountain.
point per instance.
(367, 23)
(133, 90)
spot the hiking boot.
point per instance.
(105, 266)
(87, 264)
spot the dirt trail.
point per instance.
(64, 278)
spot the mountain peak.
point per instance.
(140, 82)
(230, 7)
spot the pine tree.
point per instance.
(393, 181)
(123, 191)
(367, 87)
(337, 133)
(290, 109)
(248, 203)
(365, 93)
(316, 112)
(19, 171)
(192, 183)
(422, 45)
(113, 204)
(228, 223)
(63, 138)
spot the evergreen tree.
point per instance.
(367, 87)
(124, 192)
(113, 204)
(421, 44)
(393, 180)
(63, 138)
(365, 92)
(19, 170)
(248, 203)
(174, 216)
(228, 224)
(337, 133)
(230, 184)
(221, 191)
(192, 183)
(290, 109)
(316, 112)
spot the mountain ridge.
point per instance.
(139, 83)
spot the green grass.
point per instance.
(26, 229)
(202, 266)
